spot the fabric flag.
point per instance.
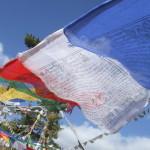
(28, 148)
(17, 101)
(16, 91)
(15, 70)
(12, 141)
(100, 62)
(5, 137)
(7, 95)
(18, 145)
(13, 90)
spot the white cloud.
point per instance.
(3, 58)
(111, 142)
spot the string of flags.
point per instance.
(6, 141)
(99, 62)
(91, 64)
(25, 142)
(140, 115)
(73, 130)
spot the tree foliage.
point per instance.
(31, 41)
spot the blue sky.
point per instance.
(41, 18)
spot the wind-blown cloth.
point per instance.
(16, 91)
(100, 62)
(15, 70)
(5, 137)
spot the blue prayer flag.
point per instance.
(119, 29)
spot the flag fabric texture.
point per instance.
(28, 148)
(15, 70)
(5, 137)
(100, 62)
(16, 91)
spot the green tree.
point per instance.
(31, 41)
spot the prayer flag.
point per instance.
(100, 62)
(5, 137)
(16, 91)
